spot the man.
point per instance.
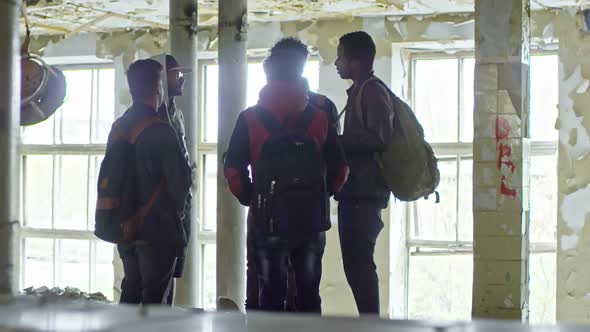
(164, 178)
(365, 194)
(283, 101)
(174, 86)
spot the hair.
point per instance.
(358, 46)
(143, 77)
(280, 64)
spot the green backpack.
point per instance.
(408, 164)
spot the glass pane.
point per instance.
(467, 91)
(104, 115)
(440, 287)
(209, 192)
(209, 273)
(41, 133)
(75, 112)
(95, 162)
(256, 81)
(71, 208)
(73, 265)
(38, 269)
(436, 98)
(439, 221)
(466, 201)
(544, 97)
(103, 277)
(542, 288)
(38, 190)
(210, 102)
(543, 226)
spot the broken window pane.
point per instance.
(436, 98)
(440, 286)
(38, 190)
(438, 221)
(38, 269)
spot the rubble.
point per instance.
(68, 294)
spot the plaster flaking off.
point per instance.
(574, 210)
(568, 120)
(569, 242)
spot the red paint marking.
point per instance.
(505, 190)
(505, 151)
(502, 128)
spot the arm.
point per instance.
(332, 115)
(377, 113)
(237, 159)
(337, 168)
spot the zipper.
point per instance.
(259, 201)
(272, 187)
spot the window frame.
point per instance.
(460, 151)
(56, 150)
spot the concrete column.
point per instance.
(9, 133)
(500, 153)
(573, 228)
(231, 227)
(183, 45)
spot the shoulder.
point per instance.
(376, 91)
(157, 131)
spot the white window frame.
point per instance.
(57, 150)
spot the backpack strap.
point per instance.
(130, 135)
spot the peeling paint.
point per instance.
(574, 208)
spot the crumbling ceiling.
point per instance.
(49, 17)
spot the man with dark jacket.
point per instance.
(365, 194)
(164, 177)
(173, 78)
(285, 99)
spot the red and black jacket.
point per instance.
(285, 101)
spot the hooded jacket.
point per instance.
(285, 101)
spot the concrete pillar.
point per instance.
(573, 228)
(501, 166)
(183, 45)
(9, 133)
(231, 227)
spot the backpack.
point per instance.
(408, 164)
(119, 214)
(290, 194)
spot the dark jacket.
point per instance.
(175, 118)
(366, 133)
(159, 159)
(285, 101)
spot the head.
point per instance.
(143, 77)
(356, 53)
(286, 60)
(175, 77)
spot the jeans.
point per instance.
(271, 258)
(148, 274)
(359, 225)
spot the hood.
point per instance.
(283, 98)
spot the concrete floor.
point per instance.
(28, 314)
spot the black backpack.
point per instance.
(119, 215)
(290, 180)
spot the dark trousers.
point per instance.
(271, 256)
(359, 225)
(148, 274)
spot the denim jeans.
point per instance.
(359, 225)
(271, 255)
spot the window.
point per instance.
(205, 234)
(60, 159)
(440, 235)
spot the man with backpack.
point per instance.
(366, 131)
(296, 163)
(143, 185)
